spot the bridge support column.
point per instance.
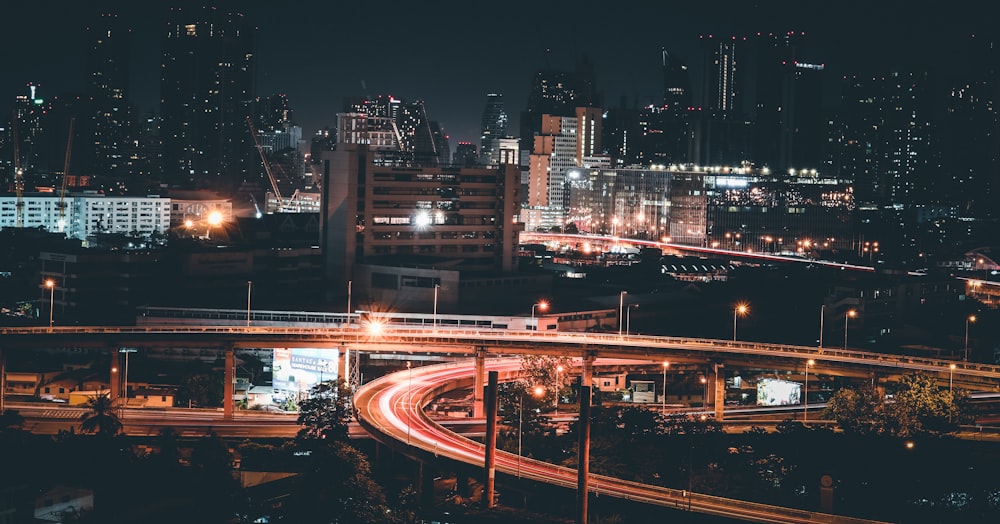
(720, 391)
(228, 385)
(115, 383)
(491, 440)
(343, 364)
(478, 383)
(587, 376)
(3, 379)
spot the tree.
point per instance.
(920, 406)
(327, 412)
(338, 488)
(860, 411)
(101, 419)
(11, 419)
(202, 390)
(550, 372)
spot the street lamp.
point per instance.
(126, 351)
(805, 394)
(628, 317)
(663, 401)
(537, 391)
(409, 399)
(349, 301)
(436, 287)
(51, 284)
(740, 310)
(850, 314)
(970, 318)
(249, 288)
(822, 316)
(621, 310)
(704, 395)
(951, 373)
(542, 306)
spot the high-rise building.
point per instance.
(888, 143)
(206, 94)
(557, 93)
(676, 84)
(553, 155)
(788, 110)
(494, 127)
(415, 217)
(723, 76)
(108, 57)
(970, 139)
(412, 136)
(466, 154)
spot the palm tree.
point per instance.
(101, 419)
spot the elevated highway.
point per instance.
(391, 409)
(479, 343)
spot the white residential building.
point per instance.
(88, 213)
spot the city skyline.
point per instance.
(452, 58)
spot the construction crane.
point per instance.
(65, 175)
(18, 178)
(267, 166)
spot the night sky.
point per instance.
(451, 54)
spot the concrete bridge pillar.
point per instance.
(229, 385)
(720, 391)
(3, 379)
(479, 382)
(587, 376)
(343, 364)
(115, 383)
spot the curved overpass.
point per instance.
(391, 409)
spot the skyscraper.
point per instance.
(723, 79)
(108, 56)
(494, 127)
(676, 84)
(206, 93)
(788, 115)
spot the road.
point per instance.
(391, 409)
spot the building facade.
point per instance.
(87, 214)
(462, 218)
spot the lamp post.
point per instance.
(951, 373)
(409, 399)
(126, 351)
(663, 401)
(704, 398)
(628, 318)
(249, 288)
(805, 394)
(436, 287)
(349, 301)
(850, 314)
(822, 317)
(970, 318)
(739, 311)
(542, 306)
(621, 310)
(51, 284)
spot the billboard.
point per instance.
(775, 392)
(297, 370)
